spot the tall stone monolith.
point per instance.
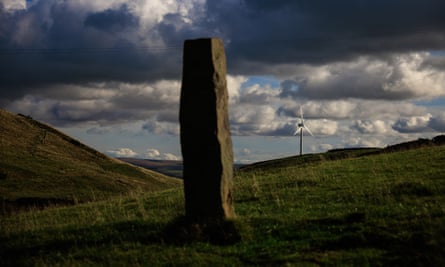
(205, 132)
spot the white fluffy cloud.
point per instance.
(152, 153)
(123, 153)
(250, 119)
(360, 141)
(322, 127)
(413, 124)
(401, 76)
(377, 127)
(234, 84)
(170, 156)
(330, 109)
(13, 5)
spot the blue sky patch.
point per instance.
(262, 81)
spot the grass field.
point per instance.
(376, 210)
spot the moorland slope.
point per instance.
(40, 165)
(343, 209)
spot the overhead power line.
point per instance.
(89, 50)
(176, 47)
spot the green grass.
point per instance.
(376, 210)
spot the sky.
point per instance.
(108, 72)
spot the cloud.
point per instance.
(322, 127)
(170, 156)
(242, 153)
(140, 41)
(13, 5)
(395, 77)
(320, 32)
(250, 119)
(159, 127)
(155, 96)
(71, 43)
(421, 124)
(234, 84)
(334, 109)
(112, 20)
(377, 127)
(105, 103)
(359, 141)
(413, 124)
(152, 153)
(258, 94)
(437, 122)
(123, 153)
(100, 64)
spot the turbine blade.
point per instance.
(301, 113)
(309, 131)
(298, 129)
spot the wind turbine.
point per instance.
(300, 129)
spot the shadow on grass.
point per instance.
(272, 242)
(21, 249)
(217, 232)
(404, 244)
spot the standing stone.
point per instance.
(205, 132)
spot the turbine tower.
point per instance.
(300, 129)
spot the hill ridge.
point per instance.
(343, 153)
(62, 135)
(40, 165)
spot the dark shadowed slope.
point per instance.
(41, 165)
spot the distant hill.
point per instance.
(343, 153)
(174, 168)
(40, 165)
(168, 167)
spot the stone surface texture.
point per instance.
(205, 131)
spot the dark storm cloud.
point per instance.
(324, 31)
(52, 42)
(112, 20)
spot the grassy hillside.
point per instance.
(376, 210)
(306, 159)
(40, 165)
